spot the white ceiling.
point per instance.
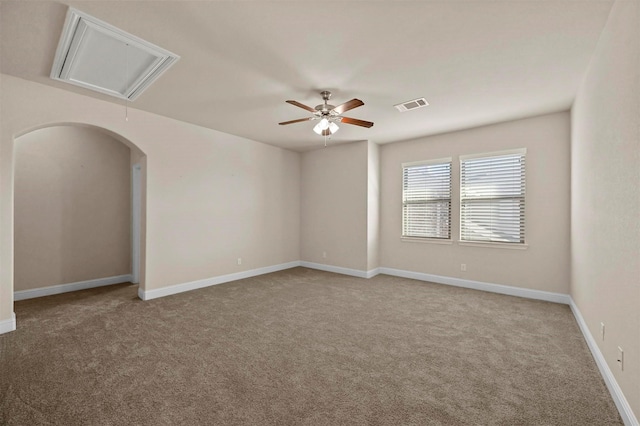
(476, 62)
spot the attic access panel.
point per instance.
(100, 57)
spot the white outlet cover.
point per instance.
(621, 358)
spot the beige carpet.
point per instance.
(299, 347)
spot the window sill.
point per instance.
(426, 240)
(509, 246)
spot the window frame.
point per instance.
(416, 238)
(495, 243)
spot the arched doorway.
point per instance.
(78, 210)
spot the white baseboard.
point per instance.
(8, 324)
(340, 270)
(616, 393)
(194, 285)
(65, 288)
(373, 272)
(478, 285)
(458, 282)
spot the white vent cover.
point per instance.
(98, 56)
(409, 105)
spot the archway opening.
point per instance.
(78, 210)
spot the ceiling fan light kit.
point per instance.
(329, 115)
(324, 125)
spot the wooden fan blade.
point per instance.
(298, 104)
(357, 122)
(299, 120)
(353, 103)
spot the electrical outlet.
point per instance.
(620, 358)
(239, 261)
(602, 330)
(463, 267)
(324, 254)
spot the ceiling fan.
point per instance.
(329, 115)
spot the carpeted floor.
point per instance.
(299, 347)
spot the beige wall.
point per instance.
(334, 206)
(210, 197)
(373, 206)
(545, 264)
(605, 221)
(72, 207)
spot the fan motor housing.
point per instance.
(324, 108)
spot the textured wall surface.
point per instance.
(72, 207)
(544, 265)
(605, 220)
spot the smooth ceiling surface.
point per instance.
(476, 62)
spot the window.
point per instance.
(426, 199)
(492, 190)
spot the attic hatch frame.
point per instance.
(80, 29)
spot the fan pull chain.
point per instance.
(325, 139)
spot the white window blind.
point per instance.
(426, 199)
(492, 196)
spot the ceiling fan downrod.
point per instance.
(325, 108)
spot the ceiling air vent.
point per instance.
(409, 105)
(100, 57)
